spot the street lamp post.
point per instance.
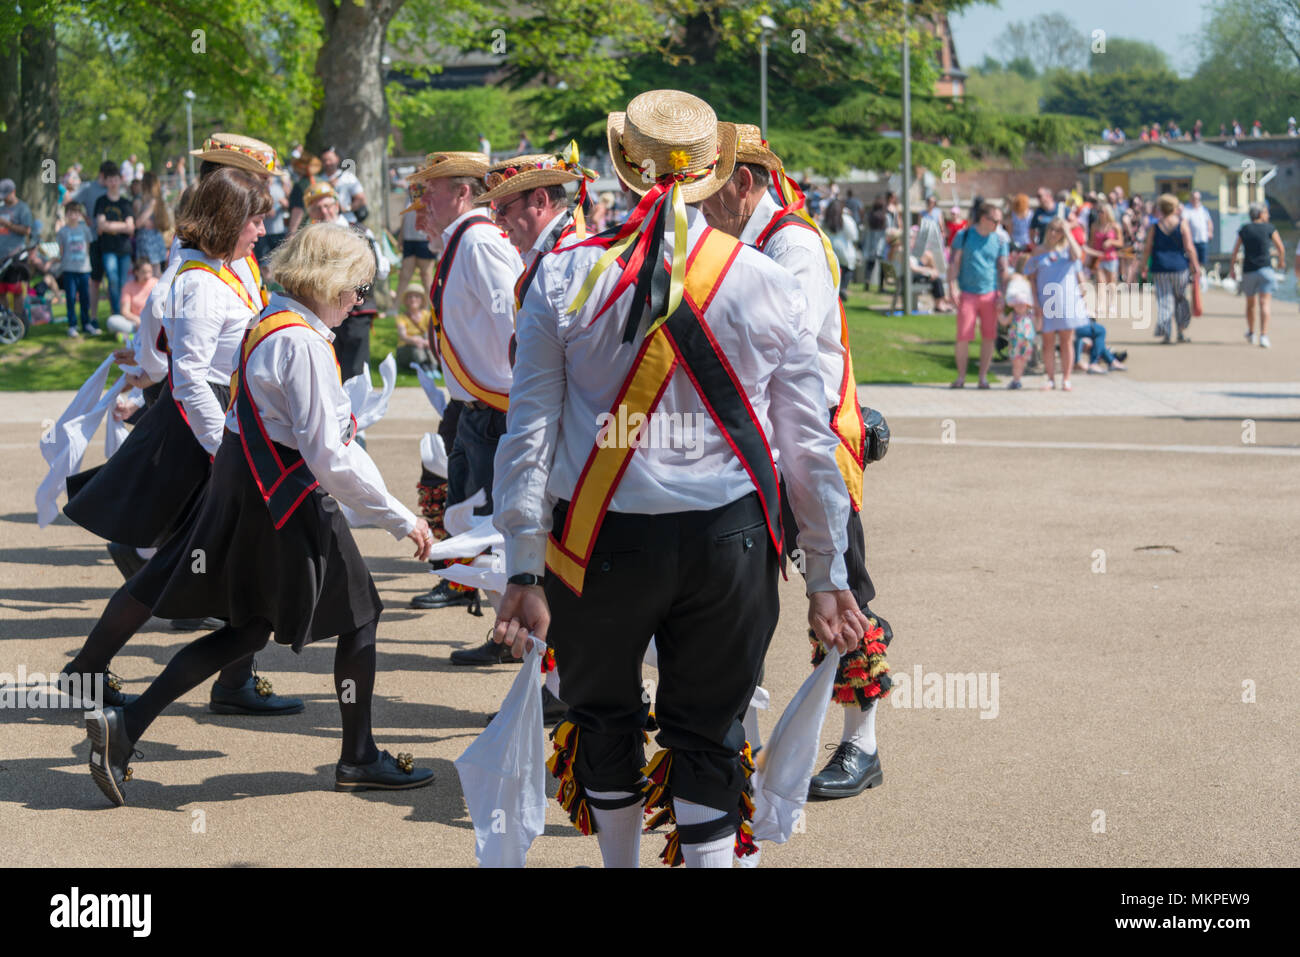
(189, 129)
(907, 170)
(768, 25)
(103, 146)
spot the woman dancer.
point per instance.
(289, 563)
(150, 486)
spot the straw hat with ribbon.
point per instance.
(752, 148)
(520, 174)
(244, 152)
(319, 190)
(442, 166)
(669, 148)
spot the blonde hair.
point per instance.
(1167, 203)
(322, 261)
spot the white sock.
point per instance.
(717, 853)
(553, 681)
(146, 553)
(860, 728)
(749, 860)
(618, 831)
(752, 734)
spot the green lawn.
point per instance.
(885, 349)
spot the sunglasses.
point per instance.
(363, 291)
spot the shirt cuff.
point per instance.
(824, 572)
(405, 524)
(526, 554)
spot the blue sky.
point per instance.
(1171, 25)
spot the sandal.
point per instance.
(1066, 386)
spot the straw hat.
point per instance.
(752, 148)
(442, 166)
(413, 288)
(667, 133)
(321, 189)
(522, 173)
(243, 152)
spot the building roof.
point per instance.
(1201, 152)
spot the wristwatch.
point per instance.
(525, 578)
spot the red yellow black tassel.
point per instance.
(548, 661)
(863, 675)
(570, 795)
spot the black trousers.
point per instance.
(471, 458)
(703, 584)
(855, 556)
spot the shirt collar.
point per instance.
(759, 219)
(446, 233)
(546, 231)
(201, 256)
(279, 301)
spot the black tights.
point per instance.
(354, 680)
(122, 618)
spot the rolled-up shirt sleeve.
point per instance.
(526, 451)
(802, 435)
(196, 330)
(309, 381)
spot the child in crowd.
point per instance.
(1020, 300)
(74, 252)
(134, 295)
(413, 328)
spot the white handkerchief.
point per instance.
(503, 772)
(429, 383)
(787, 760)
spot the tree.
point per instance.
(1048, 41)
(1129, 100)
(29, 96)
(1124, 56)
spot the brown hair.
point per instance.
(223, 202)
(1020, 204)
(153, 189)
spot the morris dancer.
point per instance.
(288, 563)
(151, 486)
(788, 235)
(473, 321)
(650, 540)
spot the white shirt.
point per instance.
(801, 251)
(293, 379)
(569, 371)
(478, 305)
(347, 185)
(539, 247)
(1198, 218)
(205, 321)
(153, 362)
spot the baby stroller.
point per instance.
(13, 327)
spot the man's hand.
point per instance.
(524, 615)
(422, 537)
(124, 408)
(836, 620)
(124, 357)
(140, 381)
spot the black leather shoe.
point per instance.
(110, 751)
(254, 697)
(443, 596)
(385, 773)
(553, 709)
(198, 624)
(112, 695)
(126, 558)
(850, 771)
(488, 653)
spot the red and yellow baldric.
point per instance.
(280, 472)
(236, 285)
(685, 340)
(846, 420)
(441, 343)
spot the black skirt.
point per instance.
(148, 488)
(307, 579)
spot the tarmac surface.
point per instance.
(1122, 559)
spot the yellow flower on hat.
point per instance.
(573, 152)
(679, 159)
